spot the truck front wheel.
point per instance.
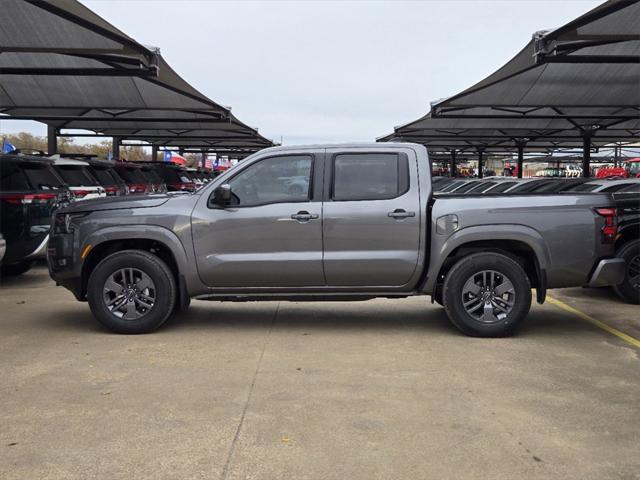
(487, 295)
(131, 291)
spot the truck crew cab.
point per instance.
(343, 222)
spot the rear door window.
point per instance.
(369, 176)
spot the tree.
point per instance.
(27, 143)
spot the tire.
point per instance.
(15, 269)
(629, 289)
(487, 295)
(140, 309)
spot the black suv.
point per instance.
(29, 192)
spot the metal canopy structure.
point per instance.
(57, 30)
(483, 136)
(63, 65)
(575, 86)
(586, 71)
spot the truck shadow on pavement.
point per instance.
(320, 317)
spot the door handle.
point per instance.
(304, 216)
(401, 213)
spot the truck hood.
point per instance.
(116, 203)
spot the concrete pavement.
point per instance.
(378, 389)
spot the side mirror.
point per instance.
(222, 195)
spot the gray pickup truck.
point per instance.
(344, 222)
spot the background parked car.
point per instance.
(29, 192)
(205, 175)
(76, 174)
(132, 174)
(175, 178)
(105, 173)
(154, 181)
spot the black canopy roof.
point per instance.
(65, 66)
(587, 72)
(578, 85)
(493, 134)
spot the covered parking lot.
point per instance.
(361, 390)
(377, 389)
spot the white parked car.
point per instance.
(75, 173)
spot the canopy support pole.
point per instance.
(521, 143)
(116, 148)
(452, 164)
(154, 153)
(586, 153)
(480, 162)
(52, 140)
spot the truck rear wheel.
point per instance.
(629, 289)
(131, 292)
(487, 295)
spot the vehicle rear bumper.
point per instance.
(608, 272)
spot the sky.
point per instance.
(331, 71)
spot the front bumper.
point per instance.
(63, 267)
(608, 272)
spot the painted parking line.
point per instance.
(594, 321)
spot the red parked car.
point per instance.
(629, 169)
